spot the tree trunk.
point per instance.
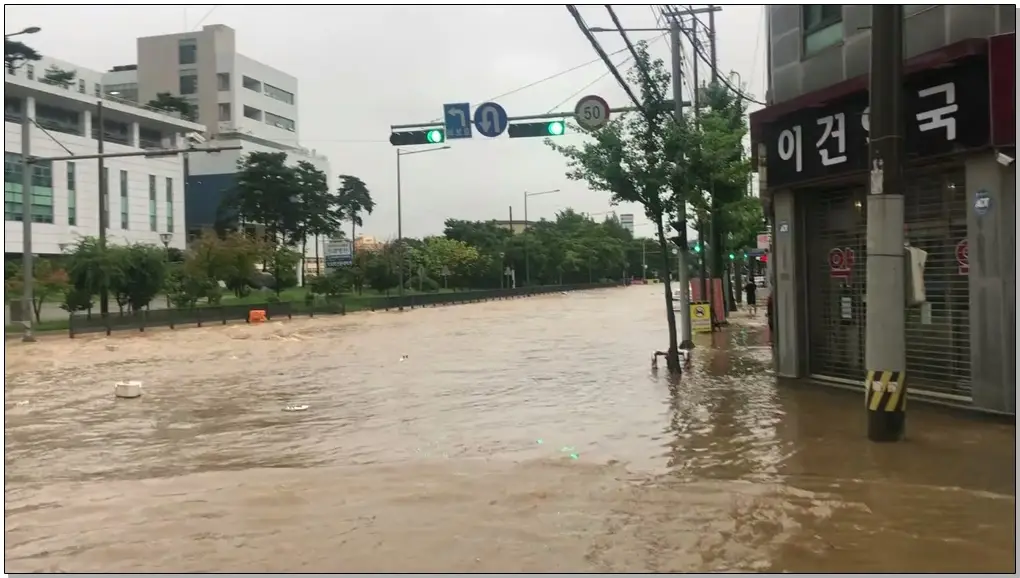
(673, 353)
(318, 261)
(304, 251)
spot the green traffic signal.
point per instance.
(556, 128)
(697, 248)
(435, 136)
(732, 256)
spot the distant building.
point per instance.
(627, 222)
(367, 243)
(241, 102)
(145, 196)
(515, 226)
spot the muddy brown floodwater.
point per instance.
(517, 436)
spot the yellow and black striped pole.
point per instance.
(885, 396)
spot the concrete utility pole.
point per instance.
(104, 210)
(27, 273)
(676, 54)
(400, 219)
(885, 343)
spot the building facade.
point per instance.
(145, 196)
(241, 102)
(811, 147)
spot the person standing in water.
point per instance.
(749, 291)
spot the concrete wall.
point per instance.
(992, 277)
(92, 78)
(243, 96)
(928, 27)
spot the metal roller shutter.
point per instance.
(938, 332)
(835, 228)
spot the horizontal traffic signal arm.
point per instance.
(418, 137)
(536, 129)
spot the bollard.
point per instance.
(885, 397)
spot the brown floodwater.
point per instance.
(516, 436)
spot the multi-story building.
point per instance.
(811, 148)
(145, 196)
(240, 100)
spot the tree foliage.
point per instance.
(354, 200)
(169, 103)
(18, 53)
(59, 77)
(49, 280)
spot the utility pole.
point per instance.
(400, 239)
(104, 210)
(511, 234)
(885, 343)
(27, 273)
(686, 339)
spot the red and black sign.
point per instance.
(1002, 86)
(963, 257)
(841, 263)
(946, 109)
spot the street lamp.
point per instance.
(527, 260)
(29, 30)
(400, 218)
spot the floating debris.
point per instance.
(295, 408)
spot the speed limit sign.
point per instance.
(591, 112)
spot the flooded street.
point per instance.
(517, 436)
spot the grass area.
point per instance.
(50, 325)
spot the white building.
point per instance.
(145, 195)
(240, 100)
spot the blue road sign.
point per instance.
(490, 119)
(458, 120)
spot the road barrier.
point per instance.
(83, 323)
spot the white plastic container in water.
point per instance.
(128, 389)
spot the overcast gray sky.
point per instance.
(361, 69)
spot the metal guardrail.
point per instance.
(82, 323)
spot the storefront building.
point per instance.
(960, 186)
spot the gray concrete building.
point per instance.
(811, 146)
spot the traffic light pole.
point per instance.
(400, 219)
(686, 339)
(543, 116)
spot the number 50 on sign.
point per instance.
(591, 112)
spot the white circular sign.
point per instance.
(591, 112)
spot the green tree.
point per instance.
(638, 159)
(59, 77)
(231, 259)
(169, 103)
(317, 208)
(354, 200)
(49, 280)
(282, 266)
(141, 274)
(92, 268)
(18, 53)
(381, 268)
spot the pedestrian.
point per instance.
(750, 290)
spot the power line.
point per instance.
(207, 14)
(637, 61)
(52, 138)
(700, 54)
(605, 58)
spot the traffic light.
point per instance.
(418, 137)
(732, 256)
(697, 247)
(532, 129)
(681, 239)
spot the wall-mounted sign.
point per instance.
(946, 109)
(982, 203)
(963, 257)
(841, 263)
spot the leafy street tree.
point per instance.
(142, 274)
(317, 212)
(18, 53)
(638, 159)
(59, 77)
(50, 280)
(232, 260)
(354, 199)
(169, 103)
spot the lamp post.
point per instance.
(400, 218)
(527, 260)
(29, 30)
(165, 238)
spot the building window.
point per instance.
(189, 83)
(113, 131)
(187, 51)
(279, 94)
(251, 84)
(98, 89)
(42, 189)
(149, 138)
(72, 195)
(81, 85)
(169, 205)
(58, 119)
(279, 121)
(12, 109)
(30, 71)
(124, 217)
(223, 81)
(152, 203)
(252, 113)
(822, 25)
(224, 111)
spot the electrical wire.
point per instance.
(605, 58)
(202, 19)
(52, 138)
(700, 54)
(637, 61)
